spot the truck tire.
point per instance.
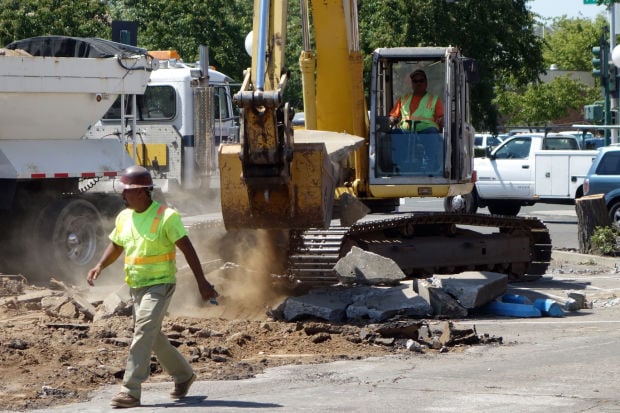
(508, 208)
(463, 204)
(70, 238)
(614, 213)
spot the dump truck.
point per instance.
(52, 90)
(277, 179)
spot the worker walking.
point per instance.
(149, 233)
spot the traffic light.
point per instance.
(599, 61)
(612, 76)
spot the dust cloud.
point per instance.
(241, 267)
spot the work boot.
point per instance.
(124, 400)
(181, 389)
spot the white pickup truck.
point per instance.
(526, 169)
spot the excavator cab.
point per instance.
(410, 158)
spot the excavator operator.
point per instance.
(420, 110)
(417, 120)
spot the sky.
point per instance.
(570, 8)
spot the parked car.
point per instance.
(484, 140)
(604, 178)
(586, 139)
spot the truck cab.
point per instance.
(164, 120)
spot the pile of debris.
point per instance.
(373, 287)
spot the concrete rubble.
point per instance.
(374, 288)
(366, 268)
(443, 296)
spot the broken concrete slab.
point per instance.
(117, 303)
(442, 303)
(328, 305)
(473, 289)
(452, 335)
(367, 268)
(338, 304)
(381, 304)
(82, 304)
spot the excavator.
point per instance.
(350, 157)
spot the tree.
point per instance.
(29, 18)
(539, 102)
(183, 25)
(569, 42)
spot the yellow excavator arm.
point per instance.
(272, 180)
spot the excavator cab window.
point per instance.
(410, 147)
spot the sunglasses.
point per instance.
(418, 80)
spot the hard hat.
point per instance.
(136, 177)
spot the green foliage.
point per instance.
(539, 102)
(569, 42)
(29, 18)
(605, 240)
(184, 25)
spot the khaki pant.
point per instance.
(149, 308)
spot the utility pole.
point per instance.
(613, 71)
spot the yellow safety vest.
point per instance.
(424, 114)
(149, 249)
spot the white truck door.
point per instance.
(509, 174)
(552, 174)
(559, 174)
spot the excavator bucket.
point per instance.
(305, 201)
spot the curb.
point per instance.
(570, 257)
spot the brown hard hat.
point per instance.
(136, 177)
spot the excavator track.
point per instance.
(427, 243)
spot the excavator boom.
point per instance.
(272, 180)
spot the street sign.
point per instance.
(606, 2)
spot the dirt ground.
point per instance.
(52, 353)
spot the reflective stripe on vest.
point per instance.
(424, 113)
(157, 218)
(150, 259)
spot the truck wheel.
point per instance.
(463, 204)
(614, 213)
(504, 208)
(70, 237)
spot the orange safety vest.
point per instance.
(424, 113)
